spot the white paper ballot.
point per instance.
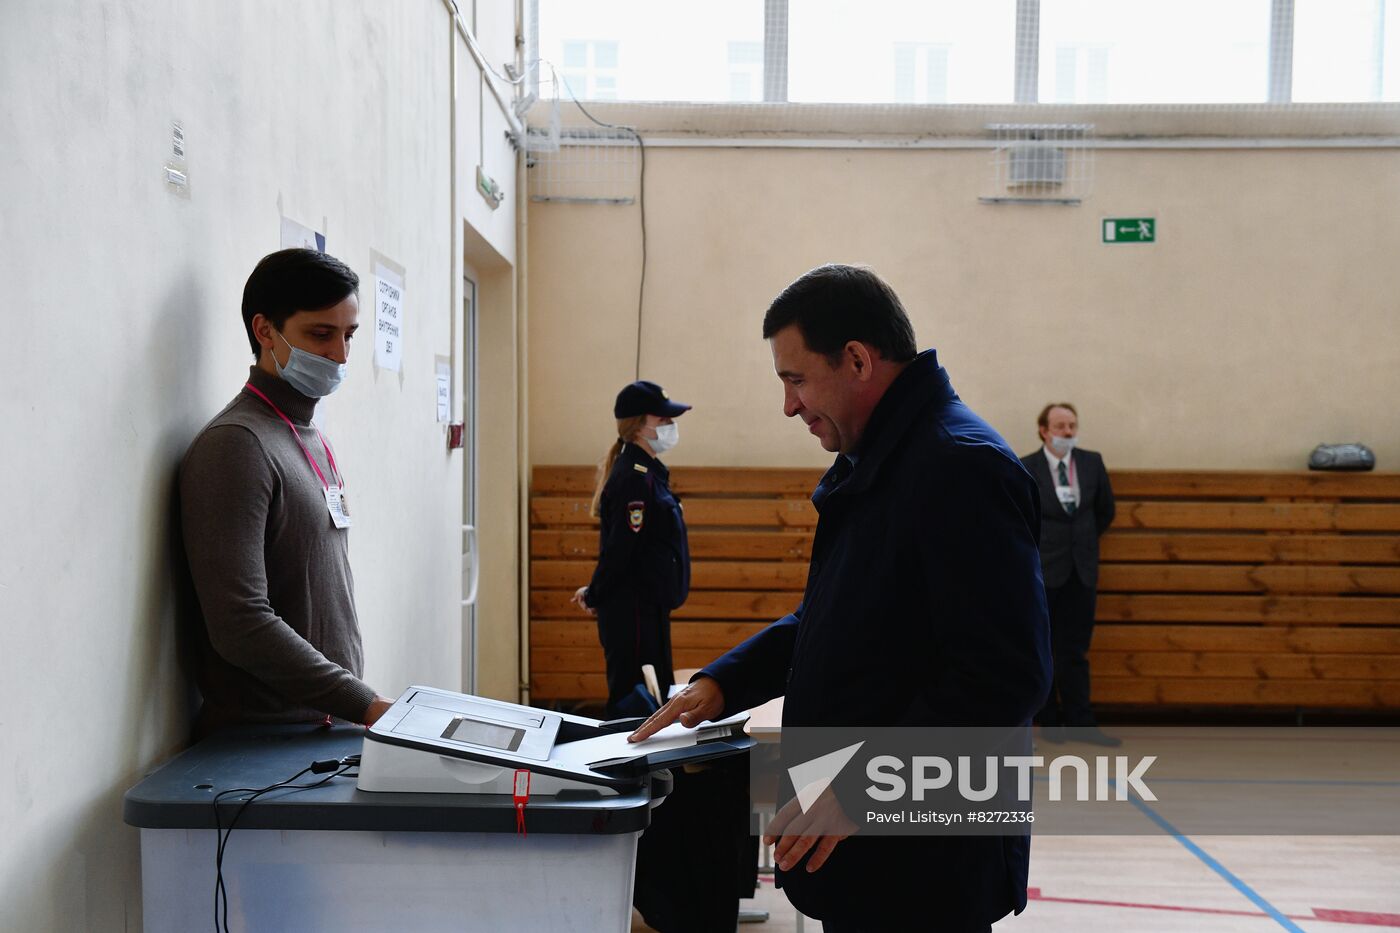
(615, 745)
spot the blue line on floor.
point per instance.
(1214, 865)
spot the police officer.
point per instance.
(644, 560)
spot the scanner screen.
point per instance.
(487, 734)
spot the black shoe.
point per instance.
(1092, 735)
(1052, 734)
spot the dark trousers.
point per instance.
(1071, 629)
(911, 884)
(697, 858)
(634, 633)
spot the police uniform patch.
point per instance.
(636, 512)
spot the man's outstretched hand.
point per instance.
(701, 699)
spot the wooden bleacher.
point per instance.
(1242, 589)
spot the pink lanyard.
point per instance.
(330, 457)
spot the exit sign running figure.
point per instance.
(1130, 230)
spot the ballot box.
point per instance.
(339, 858)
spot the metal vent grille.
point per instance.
(588, 166)
(1040, 163)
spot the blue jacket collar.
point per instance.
(922, 383)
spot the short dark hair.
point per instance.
(292, 280)
(835, 304)
(1044, 418)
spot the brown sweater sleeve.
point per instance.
(227, 487)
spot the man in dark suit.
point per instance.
(923, 606)
(1076, 507)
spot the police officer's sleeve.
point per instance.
(988, 622)
(626, 508)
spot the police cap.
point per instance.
(646, 398)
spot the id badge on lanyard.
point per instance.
(335, 494)
(335, 502)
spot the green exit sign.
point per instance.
(1130, 230)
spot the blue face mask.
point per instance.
(311, 375)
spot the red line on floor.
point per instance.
(1366, 917)
(1035, 895)
(1360, 917)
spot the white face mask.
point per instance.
(667, 436)
(311, 375)
(1061, 446)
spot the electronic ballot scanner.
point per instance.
(437, 741)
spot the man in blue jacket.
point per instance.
(924, 604)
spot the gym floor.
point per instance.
(1211, 884)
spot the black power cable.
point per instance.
(340, 766)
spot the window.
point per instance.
(942, 51)
(746, 71)
(1345, 50)
(590, 68)
(960, 52)
(1154, 51)
(1081, 74)
(920, 73)
(659, 51)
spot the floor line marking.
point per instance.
(1214, 865)
(1364, 917)
(1357, 917)
(1094, 902)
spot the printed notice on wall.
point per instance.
(388, 318)
(444, 390)
(295, 234)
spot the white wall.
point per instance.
(122, 309)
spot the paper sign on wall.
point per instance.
(294, 234)
(444, 390)
(388, 318)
